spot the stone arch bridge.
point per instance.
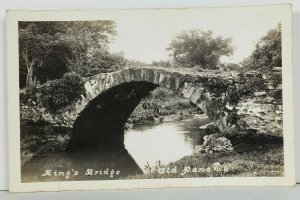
(99, 116)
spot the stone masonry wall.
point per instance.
(259, 112)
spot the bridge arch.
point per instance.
(110, 99)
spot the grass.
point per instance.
(257, 163)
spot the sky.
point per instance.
(144, 35)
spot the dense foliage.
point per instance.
(267, 53)
(197, 48)
(254, 84)
(59, 93)
(48, 50)
(102, 63)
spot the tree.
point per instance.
(88, 41)
(48, 50)
(38, 44)
(198, 48)
(267, 52)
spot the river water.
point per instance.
(145, 145)
(162, 143)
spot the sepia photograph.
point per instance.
(150, 94)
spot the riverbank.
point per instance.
(267, 161)
(39, 139)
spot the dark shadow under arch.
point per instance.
(100, 126)
(98, 132)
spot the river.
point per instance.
(145, 145)
(162, 143)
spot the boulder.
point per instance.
(214, 143)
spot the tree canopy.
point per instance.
(267, 52)
(196, 48)
(48, 50)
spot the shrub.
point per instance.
(230, 67)
(162, 93)
(59, 93)
(28, 94)
(216, 86)
(162, 63)
(254, 84)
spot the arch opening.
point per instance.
(100, 126)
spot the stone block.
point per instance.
(195, 96)
(127, 75)
(161, 78)
(156, 77)
(188, 93)
(167, 80)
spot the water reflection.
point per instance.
(165, 142)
